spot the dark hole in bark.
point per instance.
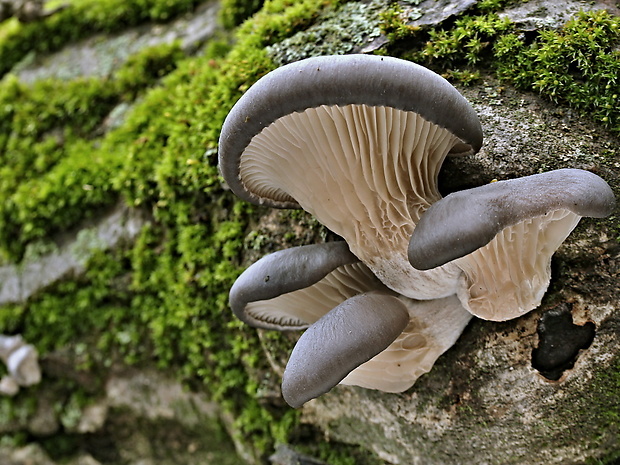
(559, 342)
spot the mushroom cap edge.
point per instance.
(342, 80)
(464, 221)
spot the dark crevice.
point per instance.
(560, 341)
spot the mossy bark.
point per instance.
(161, 301)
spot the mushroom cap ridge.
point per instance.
(285, 271)
(467, 220)
(340, 341)
(342, 80)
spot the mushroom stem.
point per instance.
(349, 335)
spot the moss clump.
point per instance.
(53, 172)
(577, 65)
(79, 20)
(143, 69)
(234, 12)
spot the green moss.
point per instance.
(234, 12)
(145, 68)
(164, 299)
(605, 398)
(53, 174)
(342, 454)
(394, 24)
(577, 65)
(80, 20)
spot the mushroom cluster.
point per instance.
(358, 141)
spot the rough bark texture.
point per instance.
(483, 402)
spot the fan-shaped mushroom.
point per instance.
(264, 295)
(357, 141)
(503, 235)
(359, 331)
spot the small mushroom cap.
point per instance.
(468, 220)
(434, 326)
(349, 335)
(284, 272)
(340, 80)
(503, 235)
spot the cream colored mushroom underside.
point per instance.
(509, 276)
(307, 305)
(434, 327)
(367, 173)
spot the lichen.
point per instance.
(344, 30)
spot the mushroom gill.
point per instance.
(345, 310)
(358, 141)
(366, 173)
(349, 335)
(509, 276)
(434, 326)
(305, 306)
(255, 297)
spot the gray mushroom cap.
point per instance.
(502, 237)
(283, 272)
(341, 80)
(294, 294)
(467, 220)
(349, 335)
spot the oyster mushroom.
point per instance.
(359, 332)
(264, 295)
(358, 141)
(502, 235)
(347, 336)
